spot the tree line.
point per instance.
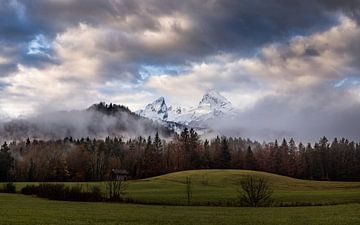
(88, 159)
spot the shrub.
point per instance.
(255, 191)
(29, 190)
(95, 194)
(51, 191)
(63, 193)
(8, 188)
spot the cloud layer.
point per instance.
(289, 67)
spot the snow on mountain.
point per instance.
(212, 100)
(212, 106)
(156, 110)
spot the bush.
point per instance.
(29, 190)
(96, 194)
(51, 191)
(255, 191)
(92, 194)
(63, 193)
(8, 188)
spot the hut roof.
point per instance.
(119, 171)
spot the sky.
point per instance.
(291, 67)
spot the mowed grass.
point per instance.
(16, 209)
(220, 187)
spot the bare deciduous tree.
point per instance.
(188, 183)
(255, 191)
(116, 189)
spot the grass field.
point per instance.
(16, 209)
(219, 187)
(213, 187)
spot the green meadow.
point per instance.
(162, 200)
(18, 209)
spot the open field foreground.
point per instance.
(219, 187)
(25, 210)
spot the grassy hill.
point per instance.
(220, 187)
(228, 178)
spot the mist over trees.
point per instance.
(88, 159)
(99, 120)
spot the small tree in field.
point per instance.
(255, 191)
(116, 189)
(188, 183)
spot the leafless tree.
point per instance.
(255, 191)
(116, 189)
(188, 183)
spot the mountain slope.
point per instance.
(212, 106)
(155, 110)
(98, 121)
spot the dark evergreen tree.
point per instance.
(186, 148)
(194, 145)
(31, 174)
(225, 159)
(6, 162)
(282, 158)
(157, 144)
(291, 163)
(275, 158)
(250, 161)
(216, 149)
(206, 158)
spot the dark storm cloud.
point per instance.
(219, 25)
(350, 7)
(16, 31)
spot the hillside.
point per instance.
(220, 187)
(98, 121)
(231, 178)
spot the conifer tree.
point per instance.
(225, 154)
(291, 163)
(206, 157)
(250, 161)
(6, 162)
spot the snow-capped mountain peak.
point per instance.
(155, 110)
(214, 100)
(212, 106)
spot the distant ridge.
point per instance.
(98, 121)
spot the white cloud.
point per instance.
(302, 64)
(71, 83)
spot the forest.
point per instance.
(88, 159)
